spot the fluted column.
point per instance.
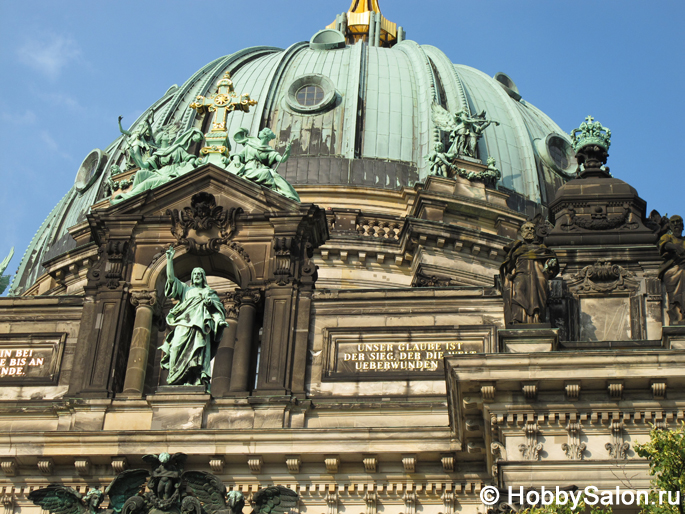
(223, 360)
(240, 369)
(146, 303)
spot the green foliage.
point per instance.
(666, 454)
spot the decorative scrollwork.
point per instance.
(212, 225)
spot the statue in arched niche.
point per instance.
(525, 274)
(198, 322)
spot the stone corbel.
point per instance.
(499, 454)
(332, 463)
(574, 448)
(332, 502)
(370, 464)
(447, 461)
(82, 465)
(531, 449)
(370, 498)
(447, 502)
(9, 467)
(255, 463)
(119, 464)
(617, 448)
(217, 463)
(293, 464)
(8, 502)
(409, 502)
(572, 391)
(409, 463)
(658, 389)
(46, 466)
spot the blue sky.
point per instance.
(69, 68)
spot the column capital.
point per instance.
(148, 298)
(247, 296)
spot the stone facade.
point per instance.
(367, 364)
(393, 385)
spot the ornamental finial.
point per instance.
(591, 133)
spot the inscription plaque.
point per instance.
(399, 352)
(30, 358)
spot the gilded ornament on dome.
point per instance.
(224, 101)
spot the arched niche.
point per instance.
(228, 263)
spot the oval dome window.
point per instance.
(311, 94)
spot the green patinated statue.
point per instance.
(170, 159)
(254, 162)
(440, 163)
(198, 322)
(5, 279)
(169, 490)
(139, 143)
(464, 130)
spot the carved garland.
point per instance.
(600, 221)
(602, 277)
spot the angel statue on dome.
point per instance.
(254, 162)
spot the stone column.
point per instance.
(145, 303)
(223, 360)
(240, 369)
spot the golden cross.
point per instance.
(224, 101)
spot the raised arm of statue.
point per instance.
(121, 129)
(170, 276)
(286, 154)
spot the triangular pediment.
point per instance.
(228, 189)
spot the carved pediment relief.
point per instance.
(203, 226)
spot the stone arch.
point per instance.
(230, 262)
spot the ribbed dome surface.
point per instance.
(375, 132)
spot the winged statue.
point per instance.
(60, 499)
(170, 490)
(464, 129)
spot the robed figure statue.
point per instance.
(198, 322)
(672, 271)
(525, 275)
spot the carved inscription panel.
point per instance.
(399, 352)
(30, 358)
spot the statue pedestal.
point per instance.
(528, 338)
(674, 336)
(178, 407)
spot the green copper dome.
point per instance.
(358, 115)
